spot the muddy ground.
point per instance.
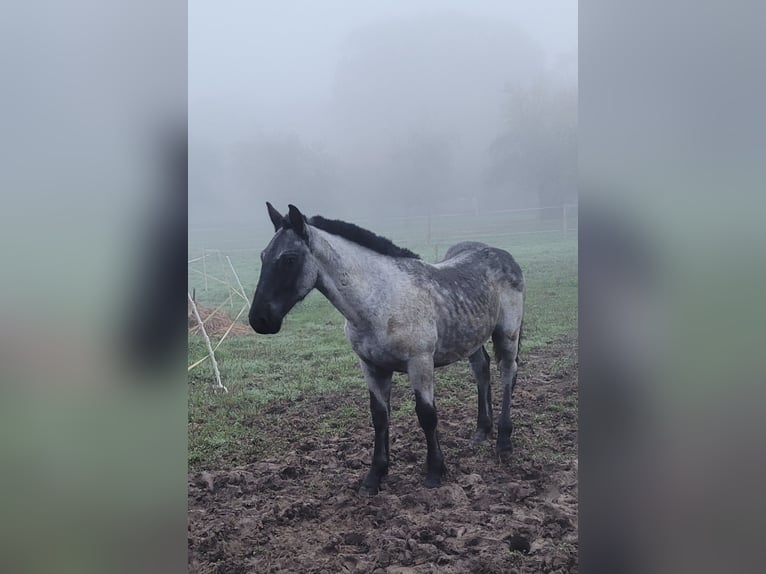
(297, 510)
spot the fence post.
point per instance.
(223, 273)
(204, 267)
(564, 222)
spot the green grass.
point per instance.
(310, 355)
(341, 420)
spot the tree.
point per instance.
(284, 168)
(537, 150)
(419, 174)
(415, 104)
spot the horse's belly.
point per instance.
(375, 352)
(451, 354)
(460, 339)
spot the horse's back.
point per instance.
(497, 260)
(463, 247)
(476, 288)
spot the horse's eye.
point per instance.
(289, 259)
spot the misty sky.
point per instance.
(360, 80)
(273, 57)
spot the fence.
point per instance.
(417, 231)
(215, 251)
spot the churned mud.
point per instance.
(297, 510)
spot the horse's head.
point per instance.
(288, 271)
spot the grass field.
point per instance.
(310, 356)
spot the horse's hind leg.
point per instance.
(421, 374)
(506, 349)
(479, 362)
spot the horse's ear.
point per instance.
(276, 217)
(297, 221)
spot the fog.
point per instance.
(354, 109)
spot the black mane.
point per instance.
(361, 236)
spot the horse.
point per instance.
(402, 315)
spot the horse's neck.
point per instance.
(349, 275)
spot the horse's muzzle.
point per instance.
(263, 324)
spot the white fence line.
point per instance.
(432, 229)
(435, 240)
(382, 221)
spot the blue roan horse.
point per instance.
(402, 314)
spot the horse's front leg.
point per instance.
(421, 375)
(379, 385)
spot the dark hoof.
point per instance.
(432, 481)
(479, 437)
(367, 490)
(505, 453)
(434, 475)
